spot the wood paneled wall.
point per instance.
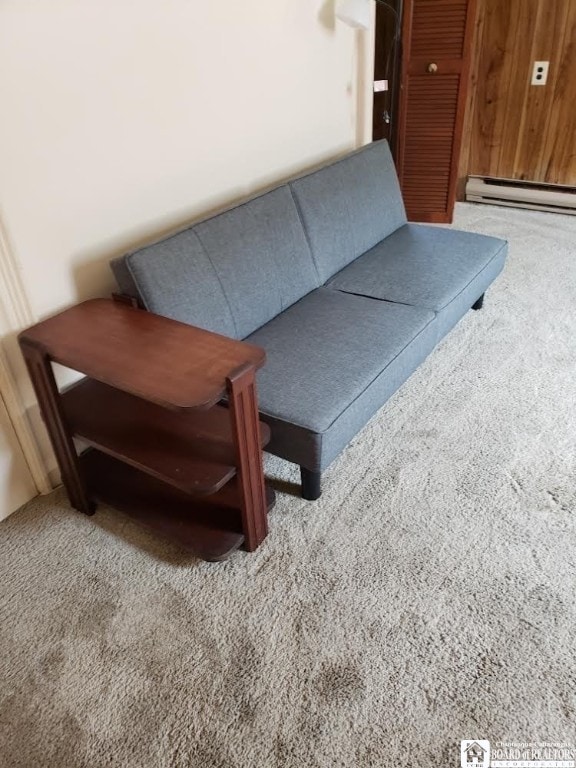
(514, 129)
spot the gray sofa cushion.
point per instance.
(327, 445)
(349, 206)
(326, 351)
(259, 252)
(175, 278)
(461, 303)
(421, 265)
(231, 273)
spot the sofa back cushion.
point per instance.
(260, 254)
(349, 206)
(232, 273)
(175, 278)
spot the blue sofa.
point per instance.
(326, 274)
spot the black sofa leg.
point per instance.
(478, 303)
(311, 482)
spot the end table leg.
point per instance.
(243, 404)
(46, 390)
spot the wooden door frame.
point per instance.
(405, 36)
(16, 308)
(394, 74)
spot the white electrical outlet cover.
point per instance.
(540, 73)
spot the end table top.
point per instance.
(160, 360)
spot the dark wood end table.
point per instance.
(163, 447)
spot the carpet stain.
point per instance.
(51, 664)
(94, 618)
(339, 682)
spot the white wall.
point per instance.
(124, 118)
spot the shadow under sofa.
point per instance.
(324, 272)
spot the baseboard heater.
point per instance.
(556, 198)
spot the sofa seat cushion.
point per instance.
(323, 354)
(421, 265)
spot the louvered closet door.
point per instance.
(436, 43)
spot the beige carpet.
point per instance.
(428, 597)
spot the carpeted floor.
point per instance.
(428, 597)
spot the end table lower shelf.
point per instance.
(207, 527)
